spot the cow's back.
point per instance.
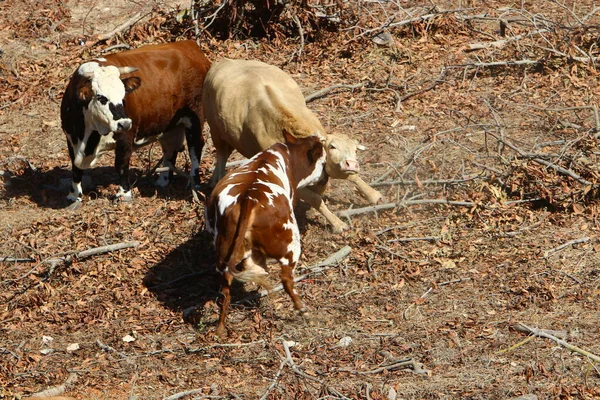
(172, 76)
(248, 104)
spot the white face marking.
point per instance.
(106, 82)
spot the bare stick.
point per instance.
(57, 390)
(301, 32)
(549, 252)
(508, 63)
(323, 92)
(125, 25)
(501, 43)
(514, 346)
(525, 228)
(414, 239)
(180, 395)
(542, 333)
(329, 262)
(430, 182)
(106, 249)
(559, 334)
(387, 206)
(106, 347)
(16, 260)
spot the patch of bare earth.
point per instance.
(481, 127)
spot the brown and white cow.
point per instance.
(248, 104)
(126, 100)
(251, 215)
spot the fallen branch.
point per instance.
(16, 260)
(380, 207)
(430, 182)
(538, 160)
(57, 390)
(541, 333)
(414, 239)
(509, 63)
(329, 262)
(549, 252)
(501, 43)
(323, 92)
(54, 261)
(180, 395)
(125, 25)
(398, 24)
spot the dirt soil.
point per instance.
(487, 158)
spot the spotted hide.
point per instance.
(248, 105)
(126, 100)
(251, 215)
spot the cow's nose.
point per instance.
(124, 125)
(351, 165)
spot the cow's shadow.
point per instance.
(186, 280)
(49, 188)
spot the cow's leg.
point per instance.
(223, 153)
(372, 195)
(226, 279)
(195, 144)
(287, 280)
(172, 143)
(75, 196)
(122, 158)
(315, 200)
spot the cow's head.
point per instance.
(102, 91)
(341, 156)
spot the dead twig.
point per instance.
(501, 43)
(57, 390)
(16, 260)
(541, 333)
(181, 395)
(325, 91)
(380, 207)
(424, 295)
(329, 262)
(125, 25)
(549, 252)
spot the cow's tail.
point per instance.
(240, 263)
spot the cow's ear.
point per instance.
(288, 137)
(85, 92)
(131, 83)
(315, 152)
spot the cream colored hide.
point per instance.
(248, 105)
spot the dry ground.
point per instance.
(441, 284)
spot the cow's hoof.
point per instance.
(125, 197)
(74, 205)
(306, 317)
(339, 228)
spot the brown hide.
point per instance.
(250, 213)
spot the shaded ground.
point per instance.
(442, 284)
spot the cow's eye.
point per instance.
(332, 146)
(102, 99)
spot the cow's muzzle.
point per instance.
(122, 125)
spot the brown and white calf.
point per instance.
(251, 215)
(248, 105)
(126, 100)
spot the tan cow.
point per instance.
(248, 105)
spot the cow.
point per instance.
(248, 104)
(250, 212)
(127, 100)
